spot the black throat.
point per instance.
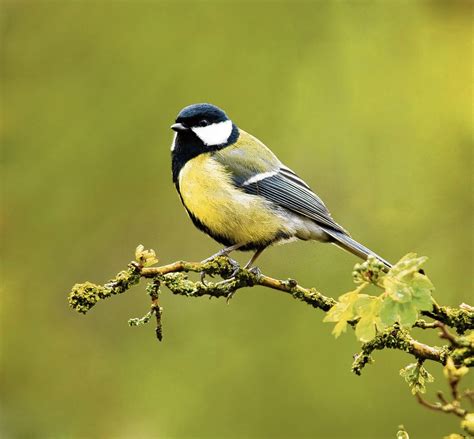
(188, 145)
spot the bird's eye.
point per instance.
(203, 123)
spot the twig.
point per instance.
(445, 334)
(445, 408)
(425, 325)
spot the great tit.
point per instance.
(238, 192)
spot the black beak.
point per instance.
(178, 127)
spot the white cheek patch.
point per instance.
(214, 134)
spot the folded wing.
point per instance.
(286, 189)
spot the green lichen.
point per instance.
(179, 283)
(391, 338)
(461, 319)
(221, 266)
(311, 296)
(463, 356)
(137, 321)
(153, 289)
(84, 296)
(124, 279)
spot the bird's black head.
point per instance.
(200, 128)
(205, 123)
(200, 115)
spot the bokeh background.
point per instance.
(369, 101)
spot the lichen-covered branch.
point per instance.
(398, 338)
(461, 319)
(175, 277)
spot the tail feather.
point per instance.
(347, 243)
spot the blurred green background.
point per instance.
(370, 102)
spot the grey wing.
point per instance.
(286, 189)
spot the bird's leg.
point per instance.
(223, 252)
(248, 266)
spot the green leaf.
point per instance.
(409, 264)
(367, 308)
(416, 376)
(407, 314)
(397, 289)
(366, 329)
(388, 311)
(421, 292)
(343, 311)
(406, 292)
(394, 312)
(341, 326)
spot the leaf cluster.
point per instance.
(406, 292)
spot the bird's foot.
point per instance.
(236, 268)
(202, 278)
(202, 274)
(255, 271)
(233, 263)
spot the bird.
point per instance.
(236, 190)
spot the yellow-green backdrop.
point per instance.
(369, 101)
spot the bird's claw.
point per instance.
(202, 277)
(229, 296)
(236, 268)
(233, 263)
(255, 271)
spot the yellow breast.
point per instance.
(208, 193)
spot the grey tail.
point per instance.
(347, 243)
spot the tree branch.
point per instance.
(179, 284)
(175, 277)
(397, 338)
